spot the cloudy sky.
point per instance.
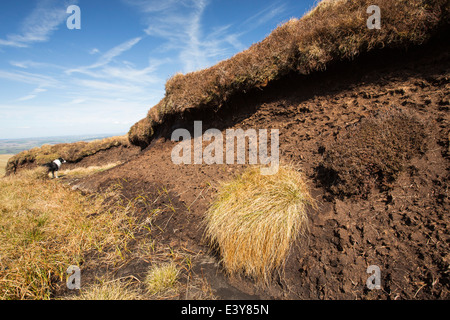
(102, 78)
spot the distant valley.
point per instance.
(14, 146)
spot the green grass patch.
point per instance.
(3, 161)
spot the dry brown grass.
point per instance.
(71, 152)
(3, 161)
(333, 31)
(46, 227)
(108, 290)
(256, 218)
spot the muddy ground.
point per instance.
(402, 227)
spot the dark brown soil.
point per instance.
(400, 224)
(104, 157)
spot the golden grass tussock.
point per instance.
(46, 227)
(108, 290)
(71, 152)
(333, 31)
(255, 219)
(161, 279)
(39, 173)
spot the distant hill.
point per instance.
(14, 146)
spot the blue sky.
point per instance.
(104, 77)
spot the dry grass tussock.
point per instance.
(46, 227)
(256, 218)
(71, 152)
(333, 31)
(162, 279)
(109, 290)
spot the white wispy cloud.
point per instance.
(108, 56)
(38, 26)
(30, 78)
(28, 97)
(153, 6)
(33, 94)
(19, 64)
(144, 76)
(12, 43)
(78, 101)
(94, 51)
(39, 90)
(29, 64)
(180, 24)
(107, 86)
(264, 15)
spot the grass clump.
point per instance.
(256, 218)
(3, 161)
(108, 290)
(372, 153)
(162, 278)
(39, 173)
